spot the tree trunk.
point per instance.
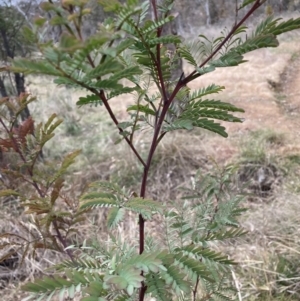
(19, 78)
(3, 91)
(171, 29)
(20, 86)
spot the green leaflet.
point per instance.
(48, 286)
(124, 45)
(257, 42)
(99, 202)
(83, 265)
(286, 26)
(95, 289)
(89, 99)
(124, 125)
(110, 5)
(123, 90)
(146, 262)
(247, 2)
(206, 91)
(152, 25)
(167, 39)
(179, 124)
(124, 15)
(194, 114)
(146, 207)
(175, 278)
(156, 286)
(201, 253)
(34, 67)
(126, 73)
(185, 53)
(191, 266)
(109, 187)
(69, 43)
(272, 26)
(213, 104)
(106, 84)
(202, 123)
(141, 108)
(115, 216)
(230, 59)
(109, 66)
(127, 278)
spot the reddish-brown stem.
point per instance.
(195, 289)
(158, 58)
(153, 146)
(113, 117)
(101, 95)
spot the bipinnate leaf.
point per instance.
(201, 253)
(229, 59)
(192, 267)
(89, 99)
(95, 289)
(69, 43)
(152, 25)
(145, 262)
(99, 202)
(141, 108)
(179, 124)
(108, 187)
(108, 67)
(146, 207)
(156, 286)
(115, 216)
(211, 89)
(204, 123)
(46, 288)
(128, 278)
(34, 67)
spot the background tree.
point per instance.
(13, 44)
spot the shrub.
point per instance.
(129, 54)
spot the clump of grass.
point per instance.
(259, 144)
(270, 254)
(292, 167)
(260, 167)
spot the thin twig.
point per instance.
(194, 74)
(195, 289)
(102, 96)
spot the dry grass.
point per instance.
(270, 253)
